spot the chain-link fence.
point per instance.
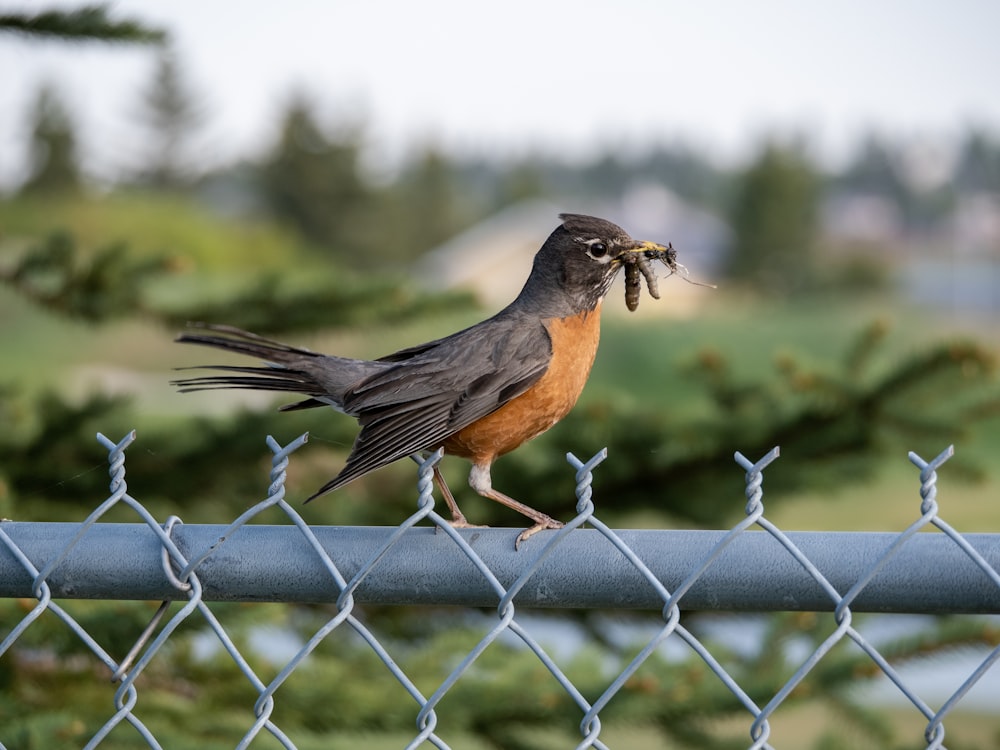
(840, 574)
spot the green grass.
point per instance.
(891, 502)
(154, 225)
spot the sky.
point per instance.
(503, 79)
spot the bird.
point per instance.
(479, 393)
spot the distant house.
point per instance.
(494, 257)
(975, 224)
(863, 218)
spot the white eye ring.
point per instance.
(597, 249)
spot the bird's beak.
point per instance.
(645, 245)
(651, 249)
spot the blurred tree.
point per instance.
(90, 22)
(342, 300)
(104, 286)
(421, 209)
(311, 179)
(978, 167)
(688, 173)
(54, 163)
(521, 182)
(875, 169)
(431, 197)
(775, 221)
(171, 115)
(909, 173)
(607, 174)
(107, 283)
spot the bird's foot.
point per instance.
(543, 523)
(461, 523)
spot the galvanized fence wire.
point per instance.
(182, 571)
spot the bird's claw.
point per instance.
(547, 523)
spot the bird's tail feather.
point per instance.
(231, 339)
(282, 375)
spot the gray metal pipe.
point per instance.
(929, 574)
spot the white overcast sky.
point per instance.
(508, 76)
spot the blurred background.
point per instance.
(356, 178)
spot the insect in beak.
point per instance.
(637, 262)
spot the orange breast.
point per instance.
(574, 346)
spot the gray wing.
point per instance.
(416, 404)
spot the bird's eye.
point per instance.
(598, 250)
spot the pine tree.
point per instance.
(311, 179)
(171, 114)
(424, 203)
(89, 23)
(54, 161)
(775, 221)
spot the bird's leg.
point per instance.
(458, 519)
(481, 482)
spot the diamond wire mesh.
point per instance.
(182, 573)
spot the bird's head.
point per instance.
(581, 258)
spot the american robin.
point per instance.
(478, 393)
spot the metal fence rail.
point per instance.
(597, 567)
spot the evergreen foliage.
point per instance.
(171, 115)
(88, 23)
(54, 162)
(312, 180)
(110, 283)
(105, 286)
(775, 222)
